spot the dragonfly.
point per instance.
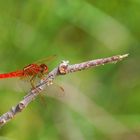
(31, 71)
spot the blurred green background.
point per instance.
(99, 104)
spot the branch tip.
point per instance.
(124, 56)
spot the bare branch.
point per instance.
(62, 69)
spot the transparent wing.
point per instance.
(54, 90)
(46, 60)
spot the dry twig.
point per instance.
(62, 69)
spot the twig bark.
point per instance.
(62, 69)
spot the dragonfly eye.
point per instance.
(44, 68)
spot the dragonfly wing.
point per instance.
(54, 91)
(46, 60)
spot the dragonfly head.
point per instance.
(43, 68)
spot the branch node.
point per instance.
(63, 67)
(20, 107)
(2, 121)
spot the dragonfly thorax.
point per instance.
(43, 68)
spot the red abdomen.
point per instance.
(12, 74)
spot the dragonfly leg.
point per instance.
(41, 75)
(43, 101)
(32, 80)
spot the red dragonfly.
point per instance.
(30, 71)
